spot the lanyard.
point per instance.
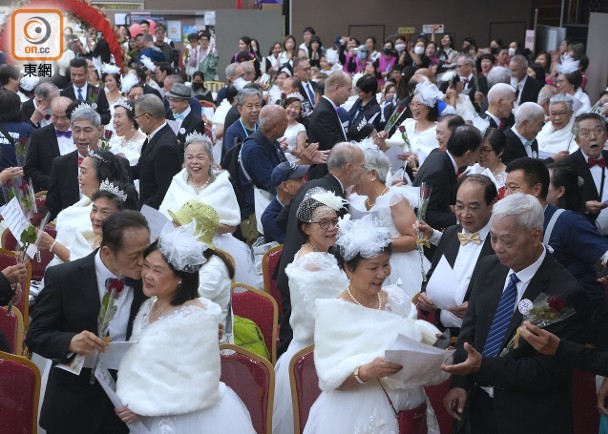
(245, 130)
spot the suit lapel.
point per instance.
(87, 278)
(582, 168)
(452, 247)
(152, 141)
(53, 141)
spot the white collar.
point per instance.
(331, 102)
(157, 130)
(521, 138)
(100, 268)
(496, 119)
(84, 90)
(528, 273)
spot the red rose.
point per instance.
(23, 187)
(400, 109)
(115, 284)
(22, 140)
(401, 129)
(108, 134)
(557, 303)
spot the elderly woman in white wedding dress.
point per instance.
(313, 274)
(170, 379)
(128, 140)
(199, 180)
(557, 134)
(393, 211)
(361, 391)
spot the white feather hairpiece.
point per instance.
(567, 65)
(181, 247)
(330, 199)
(98, 64)
(367, 144)
(364, 236)
(29, 82)
(147, 62)
(127, 82)
(446, 76)
(108, 68)
(331, 56)
(428, 93)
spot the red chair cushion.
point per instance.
(584, 411)
(272, 262)
(436, 394)
(17, 390)
(307, 385)
(250, 380)
(258, 309)
(9, 326)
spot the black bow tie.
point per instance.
(130, 282)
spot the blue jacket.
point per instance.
(269, 222)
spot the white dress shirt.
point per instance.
(527, 143)
(118, 325)
(84, 91)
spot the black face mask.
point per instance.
(387, 51)
(197, 86)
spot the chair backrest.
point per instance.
(208, 104)
(19, 393)
(38, 268)
(214, 86)
(270, 262)
(304, 386)
(584, 402)
(259, 307)
(11, 325)
(8, 258)
(252, 379)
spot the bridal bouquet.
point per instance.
(542, 312)
(107, 311)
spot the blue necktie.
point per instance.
(80, 95)
(311, 95)
(502, 318)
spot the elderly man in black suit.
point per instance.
(589, 162)
(526, 88)
(440, 171)
(37, 111)
(181, 112)
(460, 248)
(160, 155)
(47, 143)
(345, 165)
(522, 392)
(501, 98)
(302, 71)
(521, 138)
(65, 324)
(80, 90)
(473, 84)
(325, 126)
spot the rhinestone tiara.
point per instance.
(107, 185)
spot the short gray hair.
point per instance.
(247, 91)
(85, 113)
(526, 209)
(151, 104)
(231, 70)
(528, 111)
(521, 59)
(44, 90)
(468, 59)
(500, 90)
(498, 74)
(341, 154)
(378, 161)
(248, 67)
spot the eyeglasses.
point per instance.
(324, 223)
(486, 151)
(141, 114)
(585, 134)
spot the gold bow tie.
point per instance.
(473, 238)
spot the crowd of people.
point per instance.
(325, 150)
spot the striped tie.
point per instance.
(502, 318)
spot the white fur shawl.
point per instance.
(348, 335)
(175, 367)
(219, 194)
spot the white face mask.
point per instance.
(511, 51)
(419, 50)
(400, 47)
(239, 83)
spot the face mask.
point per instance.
(511, 51)
(239, 83)
(400, 47)
(362, 55)
(419, 50)
(387, 51)
(196, 86)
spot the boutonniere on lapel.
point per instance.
(542, 312)
(92, 98)
(107, 311)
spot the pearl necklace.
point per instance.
(357, 301)
(198, 188)
(312, 247)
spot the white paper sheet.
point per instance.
(393, 155)
(156, 221)
(14, 219)
(442, 286)
(109, 386)
(112, 356)
(421, 362)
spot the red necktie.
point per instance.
(600, 162)
(501, 126)
(80, 160)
